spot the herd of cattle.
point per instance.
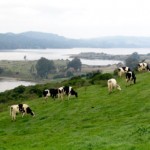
(68, 90)
(60, 92)
(130, 76)
(54, 93)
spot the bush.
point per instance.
(75, 81)
(36, 90)
(105, 76)
(116, 72)
(93, 74)
(20, 89)
(99, 77)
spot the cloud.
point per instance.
(76, 18)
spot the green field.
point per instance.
(95, 121)
(25, 70)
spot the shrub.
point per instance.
(99, 77)
(20, 89)
(35, 90)
(105, 76)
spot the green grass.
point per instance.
(95, 121)
(22, 69)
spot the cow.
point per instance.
(46, 94)
(123, 70)
(68, 90)
(112, 84)
(54, 93)
(20, 108)
(50, 93)
(61, 92)
(130, 77)
(143, 66)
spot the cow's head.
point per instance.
(29, 111)
(21, 109)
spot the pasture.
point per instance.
(95, 120)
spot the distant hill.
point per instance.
(39, 40)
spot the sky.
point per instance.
(76, 18)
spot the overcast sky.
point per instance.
(76, 18)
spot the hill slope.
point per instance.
(95, 121)
(39, 40)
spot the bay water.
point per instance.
(54, 54)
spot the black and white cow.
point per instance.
(20, 108)
(68, 90)
(61, 92)
(54, 93)
(50, 92)
(46, 93)
(130, 77)
(123, 70)
(143, 66)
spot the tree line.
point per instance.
(44, 67)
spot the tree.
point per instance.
(1, 70)
(25, 57)
(44, 67)
(132, 60)
(75, 63)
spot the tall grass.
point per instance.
(95, 120)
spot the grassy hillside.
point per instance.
(95, 121)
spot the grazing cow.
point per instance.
(50, 92)
(46, 93)
(68, 90)
(54, 93)
(123, 70)
(61, 92)
(130, 77)
(112, 84)
(20, 108)
(143, 66)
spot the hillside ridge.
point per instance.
(41, 40)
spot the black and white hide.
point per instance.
(46, 94)
(20, 108)
(143, 66)
(69, 91)
(123, 70)
(130, 77)
(50, 93)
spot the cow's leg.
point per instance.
(69, 95)
(62, 96)
(13, 116)
(23, 114)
